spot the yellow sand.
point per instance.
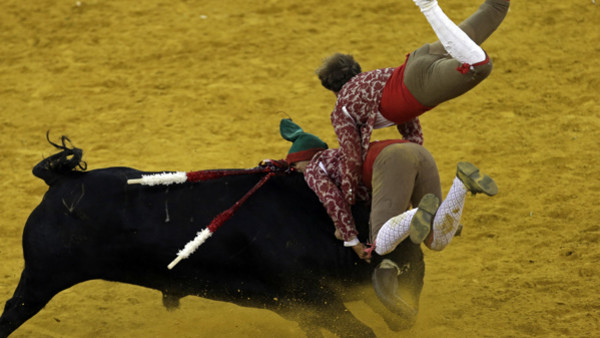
(190, 85)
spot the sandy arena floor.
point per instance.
(190, 85)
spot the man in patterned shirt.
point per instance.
(430, 75)
(415, 181)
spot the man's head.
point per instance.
(304, 145)
(336, 70)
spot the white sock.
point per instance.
(394, 231)
(456, 42)
(447, 218)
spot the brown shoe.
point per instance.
(420, 225)
(475, 181)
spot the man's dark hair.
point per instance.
(337, 70)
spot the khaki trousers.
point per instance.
(402, 174)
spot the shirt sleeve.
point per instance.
(349, 139)
(331, 197)
(411, 131)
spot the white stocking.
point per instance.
(456, 42)
(447, 218)
(394, 231)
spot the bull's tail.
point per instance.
(67, 160)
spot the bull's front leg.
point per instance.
(398, 282)
(339, 320)
(323, 308)
(29, 298)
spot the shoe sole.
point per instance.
(476, 181)
(420, 225)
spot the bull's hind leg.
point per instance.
(31, 295)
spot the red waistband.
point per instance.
(397, 103)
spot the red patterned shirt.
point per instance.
(324, 177)
(354, 116)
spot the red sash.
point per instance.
(397, 102)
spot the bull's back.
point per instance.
(97, 223)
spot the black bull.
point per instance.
(276, 252)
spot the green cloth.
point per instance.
(301, 140)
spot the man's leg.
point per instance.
(447, 219)
(481, 24)
(462, 41)
(431, 76)
(442, 221)
(402, 174)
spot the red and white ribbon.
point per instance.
(167, 178)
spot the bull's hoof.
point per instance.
(170, 302)
(385, 283)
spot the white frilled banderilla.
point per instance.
(269, 167)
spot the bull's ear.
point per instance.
(289, 130)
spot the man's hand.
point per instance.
(338, 235)
(362, 254)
